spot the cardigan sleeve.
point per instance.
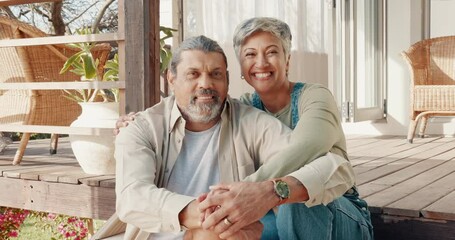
(317, 133)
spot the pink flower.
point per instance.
(13, 234)
(51, 216)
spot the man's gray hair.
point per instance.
(201, 43)
(263, 24)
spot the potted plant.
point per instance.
(100, 107)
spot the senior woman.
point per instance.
(321, 203)
(319, 210)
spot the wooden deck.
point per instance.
(410, 187)
(54, 183)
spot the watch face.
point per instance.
(282, 189)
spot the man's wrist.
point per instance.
(188, 217)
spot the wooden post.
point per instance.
(141, 27)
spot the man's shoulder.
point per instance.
(155, 115)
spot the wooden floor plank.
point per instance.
(96, 180)
(402, 190)
(444, 208)
(56, 175)
(357, 142)
(408, 172)
(388, 165)
(381, 152)
(412, 204)
(366, 148)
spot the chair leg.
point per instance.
(54, 144)
(411, 130)
(20, 151)
(423, 126)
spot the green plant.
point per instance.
(82, 63)
(165, 51)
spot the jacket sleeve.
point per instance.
(139, 201)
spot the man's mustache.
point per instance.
(204, 92)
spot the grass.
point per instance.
(29, 230)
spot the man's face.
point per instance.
(200, 85)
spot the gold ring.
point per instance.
(227, 222)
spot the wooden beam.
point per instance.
(153, 16)
(141, 29)
(70, 199)
(56, 129)
(101, 37)
(19, 2)
(62, 85)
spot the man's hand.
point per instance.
(123, 121)
(250, 232)
(237, 205)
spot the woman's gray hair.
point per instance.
(263, 24)
(201, 43)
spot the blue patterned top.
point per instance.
(257, 103)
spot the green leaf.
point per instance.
(110, 75)
(70, 61)
(89, 66)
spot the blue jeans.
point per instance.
(346, 218)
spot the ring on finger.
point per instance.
(227, 222)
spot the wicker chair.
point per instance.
(36, 64)
(432, 66)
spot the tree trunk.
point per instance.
(57, 20)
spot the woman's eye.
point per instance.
(249, 54)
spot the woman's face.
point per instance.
(263, 62)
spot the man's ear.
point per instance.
(170, 80)
(227, 77)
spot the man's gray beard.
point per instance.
(204, 112)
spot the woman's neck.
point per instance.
(278, 99)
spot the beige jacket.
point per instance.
(147, 149)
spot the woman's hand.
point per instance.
(123, 121)
(235, 206)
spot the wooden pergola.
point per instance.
(139, 66)
(139, 84)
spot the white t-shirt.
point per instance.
(195, 169)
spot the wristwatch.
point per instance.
(281, 190)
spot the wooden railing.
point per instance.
(51, 40)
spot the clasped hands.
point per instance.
(232, 211)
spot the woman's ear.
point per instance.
(287, 63)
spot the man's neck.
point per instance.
(199, 127)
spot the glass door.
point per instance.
(358, 58)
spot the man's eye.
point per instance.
(217, 74)
(192, 75)
(272, 52)
(250, 54)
